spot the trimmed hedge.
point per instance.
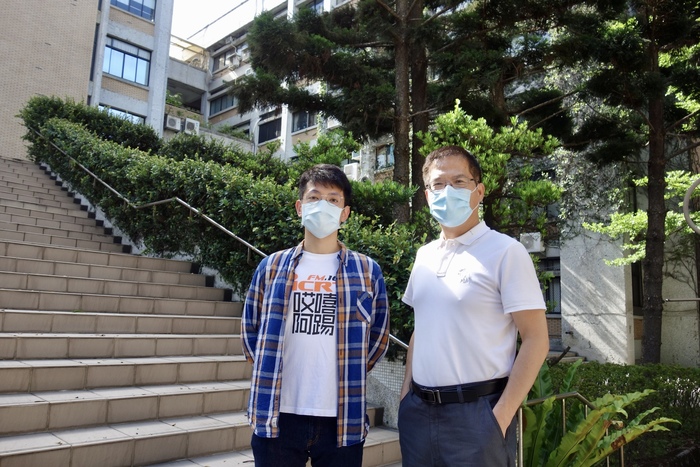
(40, 109)
(258, 206)
(677, 394)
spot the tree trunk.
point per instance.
(402, 106)
(419, 99)
(655, 236)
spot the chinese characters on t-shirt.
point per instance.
(313, 305)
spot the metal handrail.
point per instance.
(155, 203)
(182, 203)
(398, 341)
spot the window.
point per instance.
(126, 61)
(269, 130)
(552, 293)
(226, 59)
(123, 114)
(302, 120)
(243, 128)
(221, 103)
(144, 8)
(385, 156)
(316, 5)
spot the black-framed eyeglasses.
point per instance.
(335, 200)
(460, 184)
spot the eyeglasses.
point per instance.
(335, 200)
(460, 184)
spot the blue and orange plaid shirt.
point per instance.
(363, 337)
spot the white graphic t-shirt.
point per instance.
(310, 356)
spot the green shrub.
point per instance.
(394, 247)
(40, 109)
(675, 392)
(251, 195)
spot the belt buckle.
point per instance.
(435, 393)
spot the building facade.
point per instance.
(108, 53)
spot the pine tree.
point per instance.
(643, 68)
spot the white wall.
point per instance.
(596, 314)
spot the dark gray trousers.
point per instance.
(454, 435)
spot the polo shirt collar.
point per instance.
(468, 237)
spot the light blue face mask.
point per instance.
(450, 206)
(321, 218)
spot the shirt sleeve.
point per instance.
(251, 312)
(379, 332)
(520, 288)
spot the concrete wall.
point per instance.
(46, 50)
(596, 315)
(680, 336)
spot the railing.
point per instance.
(250, 247)
(560, 397)
(192, 209)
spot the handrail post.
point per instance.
(520, 437)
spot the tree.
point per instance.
(517, 193)
(374, 59)
(347, 52)
(644, 62)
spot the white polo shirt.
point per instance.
(463, 291)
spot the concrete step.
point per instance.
(12, 321)
(34, 375)
(77, 217)
(57, 410)
(90, 226)
(108, 287)
(52, 232)
(61, 268)
(81, 302)
(159, 441)
(35, 206)
(555, 356)
(28, 346)
(32, 184)
(381, 450)
(106, 244)
(17, 249)
(61, 199)
(123, 444)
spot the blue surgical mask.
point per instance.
(451, 206)
(321, 218)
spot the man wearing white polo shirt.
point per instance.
(472, 290)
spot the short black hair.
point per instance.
(446, 151)
(326, 175)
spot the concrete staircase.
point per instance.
(113, 359)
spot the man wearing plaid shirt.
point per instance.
(315, 322)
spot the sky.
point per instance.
(192, 17)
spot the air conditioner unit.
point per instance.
(229, 40)
(352, 171)
(532, 241)
(191, 126)
(235, 63)
(173, 123)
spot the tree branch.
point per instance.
(388, 9)
(679, 122)
(551, 101)
(685, 149)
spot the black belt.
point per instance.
(459, 394)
